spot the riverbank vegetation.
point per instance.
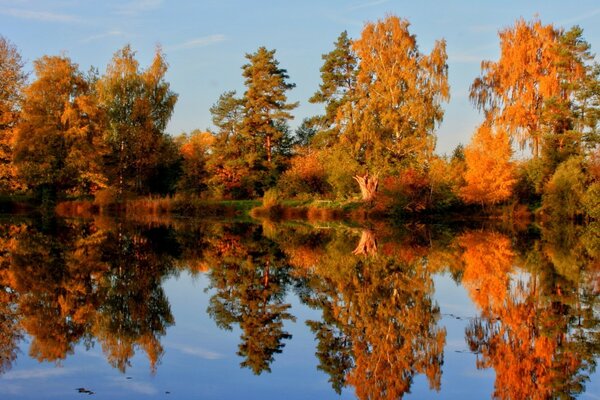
(100, 140)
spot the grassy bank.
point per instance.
(275, 209)
(159, 206)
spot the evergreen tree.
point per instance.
(265, 101)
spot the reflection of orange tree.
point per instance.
(535, 341)
(250, 276)
(10, 330)
(379, 326)
(40, 274)
(72, 281)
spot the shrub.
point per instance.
(305, 176)
(563, 194)
(591, 201)
(270, 199)
(341, 167)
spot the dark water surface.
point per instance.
(227, 310)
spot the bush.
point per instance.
(270, 199)
(591, 201)
(341, 167)
(408, 192)
(305, 176)
(563, 194)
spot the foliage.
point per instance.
(59, 146)
(195, 151)
(265, 101)
(490, 173)
(12, 81)
(528, 93)
(338, 83)
(138, 105)
(591, 201)
(564, 192)
(306, 175)
(399, 94)
(341, 166)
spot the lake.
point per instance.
(224, 309)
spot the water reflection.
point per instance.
(68, 282)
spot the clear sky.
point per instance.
(205, 41)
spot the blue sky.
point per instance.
(205, 41)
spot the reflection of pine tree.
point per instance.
(250, 278)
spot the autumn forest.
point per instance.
(347, 253)
(72, 135)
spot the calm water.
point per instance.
(227, 310)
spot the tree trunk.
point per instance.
(367, 244)
(268, 149)
(368, 186)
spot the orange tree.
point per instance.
(59, 145)
(386, 108)
(489, 174)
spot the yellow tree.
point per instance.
(490, 174)
(12, 80)
(195, 150)
(529, 89)
(398, 99)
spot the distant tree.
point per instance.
(490, 175)
(139, 105)
(12, 81)
(195, 151)
(265, 101)
(59, 144)
(305, 132)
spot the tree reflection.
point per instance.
(10, 329)
(72, 281)
(67, 282)
(538, 328)
(379, 327)
(250, 276)
(134, 309)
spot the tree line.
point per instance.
(69, 133)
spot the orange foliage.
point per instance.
(197, 145)
(305, 175)
(399, 89)
(490, 175)
(488, 259)
(408, 191)
(533, 69)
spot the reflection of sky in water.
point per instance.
(200, 359)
